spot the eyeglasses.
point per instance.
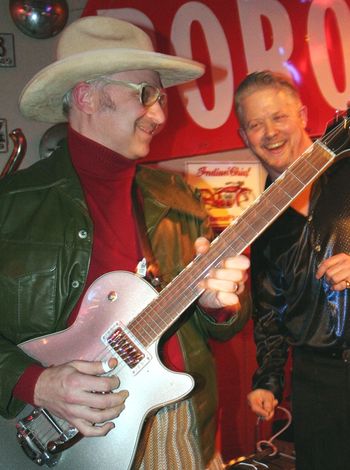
(148, 94)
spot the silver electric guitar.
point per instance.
(122, 316)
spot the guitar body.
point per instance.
(150, 384)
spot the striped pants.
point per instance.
(172, 442)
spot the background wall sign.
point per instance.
(3, 136)
(226, 188)
(308, 39)
(7, 50)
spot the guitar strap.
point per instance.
(152, 266)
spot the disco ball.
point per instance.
(39, 19)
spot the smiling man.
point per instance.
(106, 122)
(273, 121)
(300, 280)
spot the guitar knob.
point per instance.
(112, 296)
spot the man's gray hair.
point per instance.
(67, 103)
(67, 100)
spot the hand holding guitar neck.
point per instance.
(224, 284)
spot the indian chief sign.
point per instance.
(226, 189)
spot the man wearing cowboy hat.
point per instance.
(70, 218)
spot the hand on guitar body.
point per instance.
(77, 392)
(223, 286)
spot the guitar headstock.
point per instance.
(337, 134)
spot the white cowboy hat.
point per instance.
(94, 46)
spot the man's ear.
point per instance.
(303, 115)
(85, 97)
(243, 135)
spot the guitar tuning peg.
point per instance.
(339, 116)
(333, 123)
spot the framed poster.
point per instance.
(226, 188)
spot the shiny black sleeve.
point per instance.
(268, 308)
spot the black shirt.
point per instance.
(292, 307)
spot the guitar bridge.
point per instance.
(43, 437)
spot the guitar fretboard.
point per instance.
(162, 312)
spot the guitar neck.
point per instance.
(161, 313)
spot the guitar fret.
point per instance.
(267, 211)
(248, 226)
(148, 326)
(294, 184)
(239, 243)
(143, 336)
(306, 173)
(319, 156)
(152, 322)
(244, 229)
(279, 197)
(243, 233)
(257, 224)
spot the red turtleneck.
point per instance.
(106, 178)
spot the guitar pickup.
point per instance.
(124, 344)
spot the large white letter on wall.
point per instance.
(257, 56)
(318, 49)
(220, 60)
